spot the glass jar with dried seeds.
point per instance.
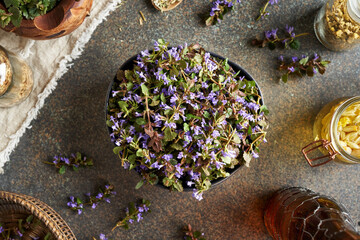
(337, 25)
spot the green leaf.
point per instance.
(206, 171)
(144, 90)
(168, 112)
(48, 236)
(78, 201)
(304, 61)
(206, 114)
(182, 64)
(271, 45)
(226, 160)
(209, 21)
(178, 186)
(16, 17)
(198, 58)
(161, 41)
(123, 105)
(173, 162)
(109, 123)
(162, 98)
(132, 158)
(129, 86)
(295, 44)
(284, 78)
(221, 78)
(249, 132)
(215, 87)
(169, 135)
(117, 150)
(189, 116)
(139, 184)
(264, 109)
(177, 146)
(324, 63)
(247, 158)
(186, 127)
(139, 153)
(140, 121)
(62, 169)
(226, 65)
(310, 71)
(154, 103)
(129, 75)
(236, 139)
(168, 182)
(14, 3)
(29, 218)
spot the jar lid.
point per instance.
(353, 7)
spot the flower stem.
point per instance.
(263, 11)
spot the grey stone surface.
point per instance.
(73, 120)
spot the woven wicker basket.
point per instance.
(12, 204)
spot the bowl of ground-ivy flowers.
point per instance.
(43, 20)
(184, 117)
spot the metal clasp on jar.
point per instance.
(318, 161)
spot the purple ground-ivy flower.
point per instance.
(218, 9)
(134, 212)
(74, 161)
(76, 204)
(198, 195)
(183, 124)
(263, 11)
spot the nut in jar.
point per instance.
(336, 133)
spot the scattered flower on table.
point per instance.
(190, 119)
(302, 66)
(218, 10)
(104, 194)
(190, 234)
(272, 40)
(75, 161)
(101, 237)
(134, 213)
(263, 11)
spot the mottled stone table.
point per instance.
(73, 120)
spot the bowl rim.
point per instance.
(235, 67)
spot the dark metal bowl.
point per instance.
(128, 65)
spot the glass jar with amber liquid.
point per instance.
(336, 133)
(301, 214)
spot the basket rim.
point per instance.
(43, 212)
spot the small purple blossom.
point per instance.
(156, 165)
(103, 237)
(198, 195)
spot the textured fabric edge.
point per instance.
(63, 67)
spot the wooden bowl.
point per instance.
(62, 20)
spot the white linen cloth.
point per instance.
(49, 60)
